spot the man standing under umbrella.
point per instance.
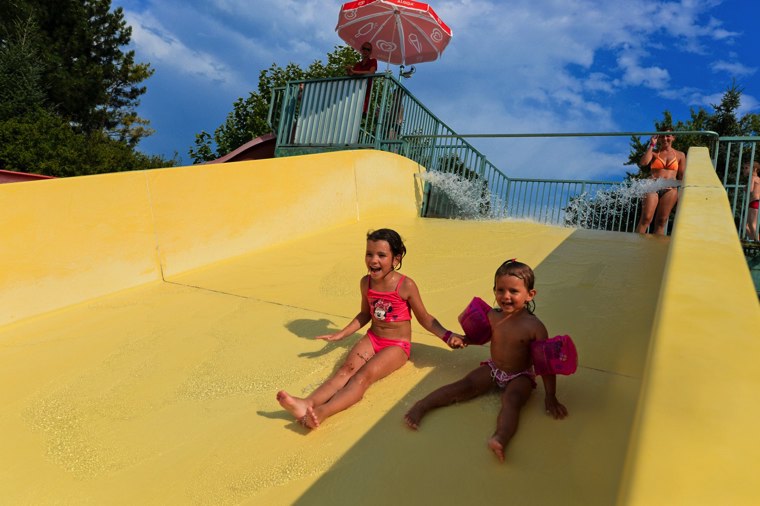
(404, 32)
(366, 66)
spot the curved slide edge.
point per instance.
(694, 439)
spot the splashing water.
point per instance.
(614, 204)
(470, 198)
(467, 198)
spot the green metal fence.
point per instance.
(733, 161)
(378, 112)
(599, 205)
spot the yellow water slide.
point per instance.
(147, 320)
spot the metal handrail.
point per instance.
(732, 153)
(379, 112)
(584, 203)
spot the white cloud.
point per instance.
(634, 74)
(748, 104)
(166, 51)
(520, 66)
(732, 68)
(598, 81)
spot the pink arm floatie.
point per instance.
(474, 321)
(554, 356)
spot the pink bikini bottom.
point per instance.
(501, 378)
(378, 343)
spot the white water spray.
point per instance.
(614, 204)
(471, 199)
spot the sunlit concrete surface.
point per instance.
(149, 318)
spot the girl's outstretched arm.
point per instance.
(360, 320)
(411, 293)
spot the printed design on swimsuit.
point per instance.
(502, 378)
(388, 306)
(382, 310)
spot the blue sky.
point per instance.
(521, 66)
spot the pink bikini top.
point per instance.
(388, 306)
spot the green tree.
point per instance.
(44, 143)
(84, 73)
(616, 210)
(20, 72)
(248, 118)
(723, 120)
(54, 126)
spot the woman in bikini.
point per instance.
(665, 163)
(388, 298)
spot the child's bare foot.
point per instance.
(413, 417)
(310, 419)
(497, 448)
(294, 405)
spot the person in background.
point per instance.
(366, 66)
(665, 163)
(754, 199)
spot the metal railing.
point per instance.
(600, 205)
(362, 112)
(734, 160)
(379, 112)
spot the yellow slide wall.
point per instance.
(695, 436)
(69, 240)
(180, 409)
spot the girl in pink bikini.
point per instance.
(514, 328)
(387, 298)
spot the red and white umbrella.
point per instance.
(402, 32)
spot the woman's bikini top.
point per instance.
(388, 306)
(658, 164)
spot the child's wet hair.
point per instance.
(392, 238)
(521, 271)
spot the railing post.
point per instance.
(287, 115)
(379, 127)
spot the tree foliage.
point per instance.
(85, 74)
(67, 90)
(20, 72)
(617, 210)
(723, 120)
(44, 142)
(248, 118)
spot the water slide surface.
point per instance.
(147, 320)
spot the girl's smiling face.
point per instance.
(379, 259)
(512, 294)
